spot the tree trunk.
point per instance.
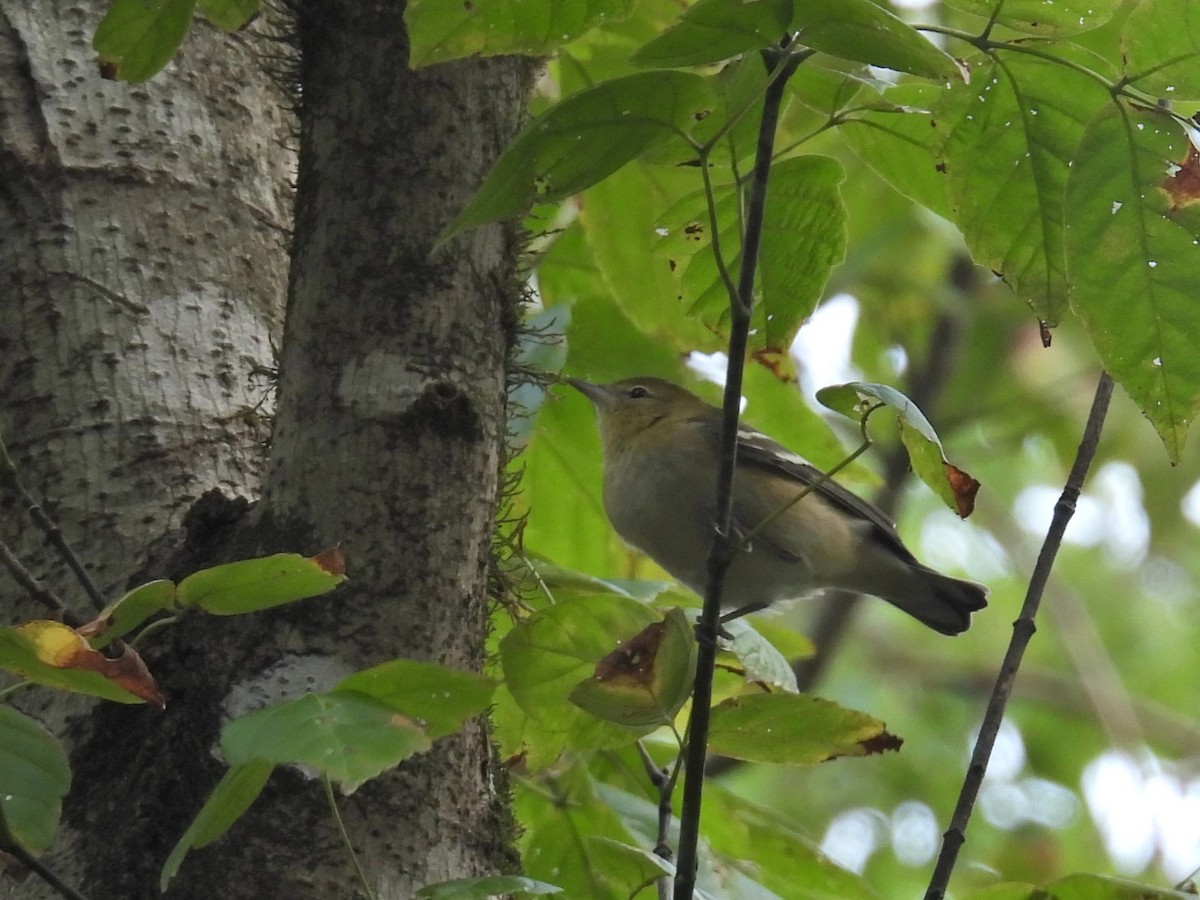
(149, 304)
(143, 236)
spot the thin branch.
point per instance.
(1023, 630)
(720, 555)
(341, 827)
(10, 845)
(32, 586)
(8, 476)
(663, 783)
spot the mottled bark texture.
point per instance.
(390, 434)
(143, 265)
(126, 339)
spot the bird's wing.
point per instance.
(757, 450)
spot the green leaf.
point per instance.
(716, 877)
(34, 777)
(647, 679)
(1160, 45)
(1040, 17)
(796, 729)
(136, 38)
(348, 736)
(857, 399)
(439, 698)
(547, 655)
(629, 867)
(253, 584)
(782, 858)
(1133, 249)
(238, 788)
(636, 196)
(50, 653)
(762, 663)
(827, 84)
(804, 237)
(895, 139)
(558, 842)
(122, 617)
(231, 15)
(862, 31)
(440, 31)
(713, 30)
(1010, 137)
(484, 888)
(587, 136)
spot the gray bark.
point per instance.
(142, 255)
(142, 268)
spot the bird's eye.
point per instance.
(637, 393)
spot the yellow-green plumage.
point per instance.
(660, 462)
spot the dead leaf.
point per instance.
(964, 487)
(633, 661)
(64, 648)
(1182, 183)
(128, 670)
(778, 362)
(332, 561)
(882, 742)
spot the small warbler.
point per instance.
(661, 450)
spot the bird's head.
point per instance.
(632, 410)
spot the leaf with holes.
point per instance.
(1133, 255)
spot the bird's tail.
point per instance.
(943, 603)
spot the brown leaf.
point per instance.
(332, 561)
(128, 670)
(778, 362)
(1182, 183)
(882, 742)
(965, 488)
(633, 661)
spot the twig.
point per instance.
(341, 826)
(8, 476)
(663, 782)
(720, 554)
(10, 845)
(32, 586)
(1023, 630)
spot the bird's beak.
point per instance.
(600, 395)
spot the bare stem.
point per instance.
(1023, 630)
(10, 845)
(8, 476)
(341, 827)
(741, 303)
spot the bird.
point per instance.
(661, 446)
